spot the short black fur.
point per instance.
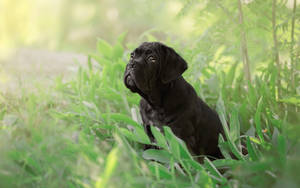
(155, 73)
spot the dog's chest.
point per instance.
(156, 117)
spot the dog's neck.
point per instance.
(156, 96)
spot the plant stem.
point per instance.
(292, 46)
(275, 51)
(66, 22)
(244, 48)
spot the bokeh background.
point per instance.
(51, 34)
(63, 24)
(40, 39)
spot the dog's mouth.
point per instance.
(129, 82)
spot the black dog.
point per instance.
(154, 72)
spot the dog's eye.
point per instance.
(148, 52)
(151, 59)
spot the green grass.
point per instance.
(87, 132)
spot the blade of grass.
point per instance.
(251, 150)
(258, 121)
(231, 144)
(213, 170)
(159, 137)
(158, 155)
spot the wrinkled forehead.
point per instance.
(148, 47)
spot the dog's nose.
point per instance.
(132, 64)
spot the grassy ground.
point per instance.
(86, 132)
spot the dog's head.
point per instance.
(152, 64)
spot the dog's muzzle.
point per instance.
(129, 81)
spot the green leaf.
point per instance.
(159, 171)
(195, 164)
(252, 94)
(128, 134)
(235, 150)
(104, 48)
(121, 37)
(231, 74)
(255, 140)
(226, 163)
(141, 135)
(291, 100)
(222, 116)
(251, 150)
(105, 126)
(177, 146)
(173, 142)
(258, 121)
(90, 65)
(234, 125)
(134, 137)
(224, 148)
(117, 51)
(158, 155)
(230, 142)
(120, 118)
(110, 166)
(159, 137)
(138, 133)
(213, 170)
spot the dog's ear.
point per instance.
(172, 66)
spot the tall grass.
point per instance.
(87, 132)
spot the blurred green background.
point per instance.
(63, 24)
(51, 34)
(28, 26)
